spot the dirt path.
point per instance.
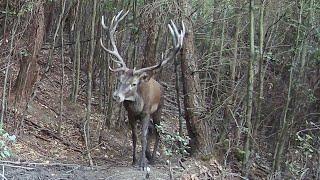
(77, 172)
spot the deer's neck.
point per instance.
(136, 105)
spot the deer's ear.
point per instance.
(144, 77)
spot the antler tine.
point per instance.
(117, 69)
(175, 34)
(113, 26)
(103, 24)
(174, 38)
(116, 19)
(183, 33)
(111, 52)
(177, 38)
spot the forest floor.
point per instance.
(41, 153)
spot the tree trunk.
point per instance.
(62, 79)
(221, 82)
(89, 90)
(56, 34)
(151, 33)
(261, 74)
(221, 63)
(29, 67)
(233, 66)
(77, 53)
(289, 109)
(5, 88)
(191, 87)
(248, 131)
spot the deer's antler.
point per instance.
(177, 38)
(112, 29)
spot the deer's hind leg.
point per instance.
(150, 136)
(144, 133)
(156, 122)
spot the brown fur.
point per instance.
(147, 110)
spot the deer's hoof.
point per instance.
(143, 165)
(134, 163)
(145, 169)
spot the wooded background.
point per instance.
(246, 83)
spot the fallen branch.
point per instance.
(14, 166)
(54, 135)
(7, 163)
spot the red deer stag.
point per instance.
(140, 93)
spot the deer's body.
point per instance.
(147, 99)
(146, 109)
(141, 94)
(143, 103)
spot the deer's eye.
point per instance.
(134, 84)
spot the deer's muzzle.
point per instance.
(119, 97)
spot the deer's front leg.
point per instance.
(133, 126)
(145, 123)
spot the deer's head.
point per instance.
(128, 86)
(130, 79)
